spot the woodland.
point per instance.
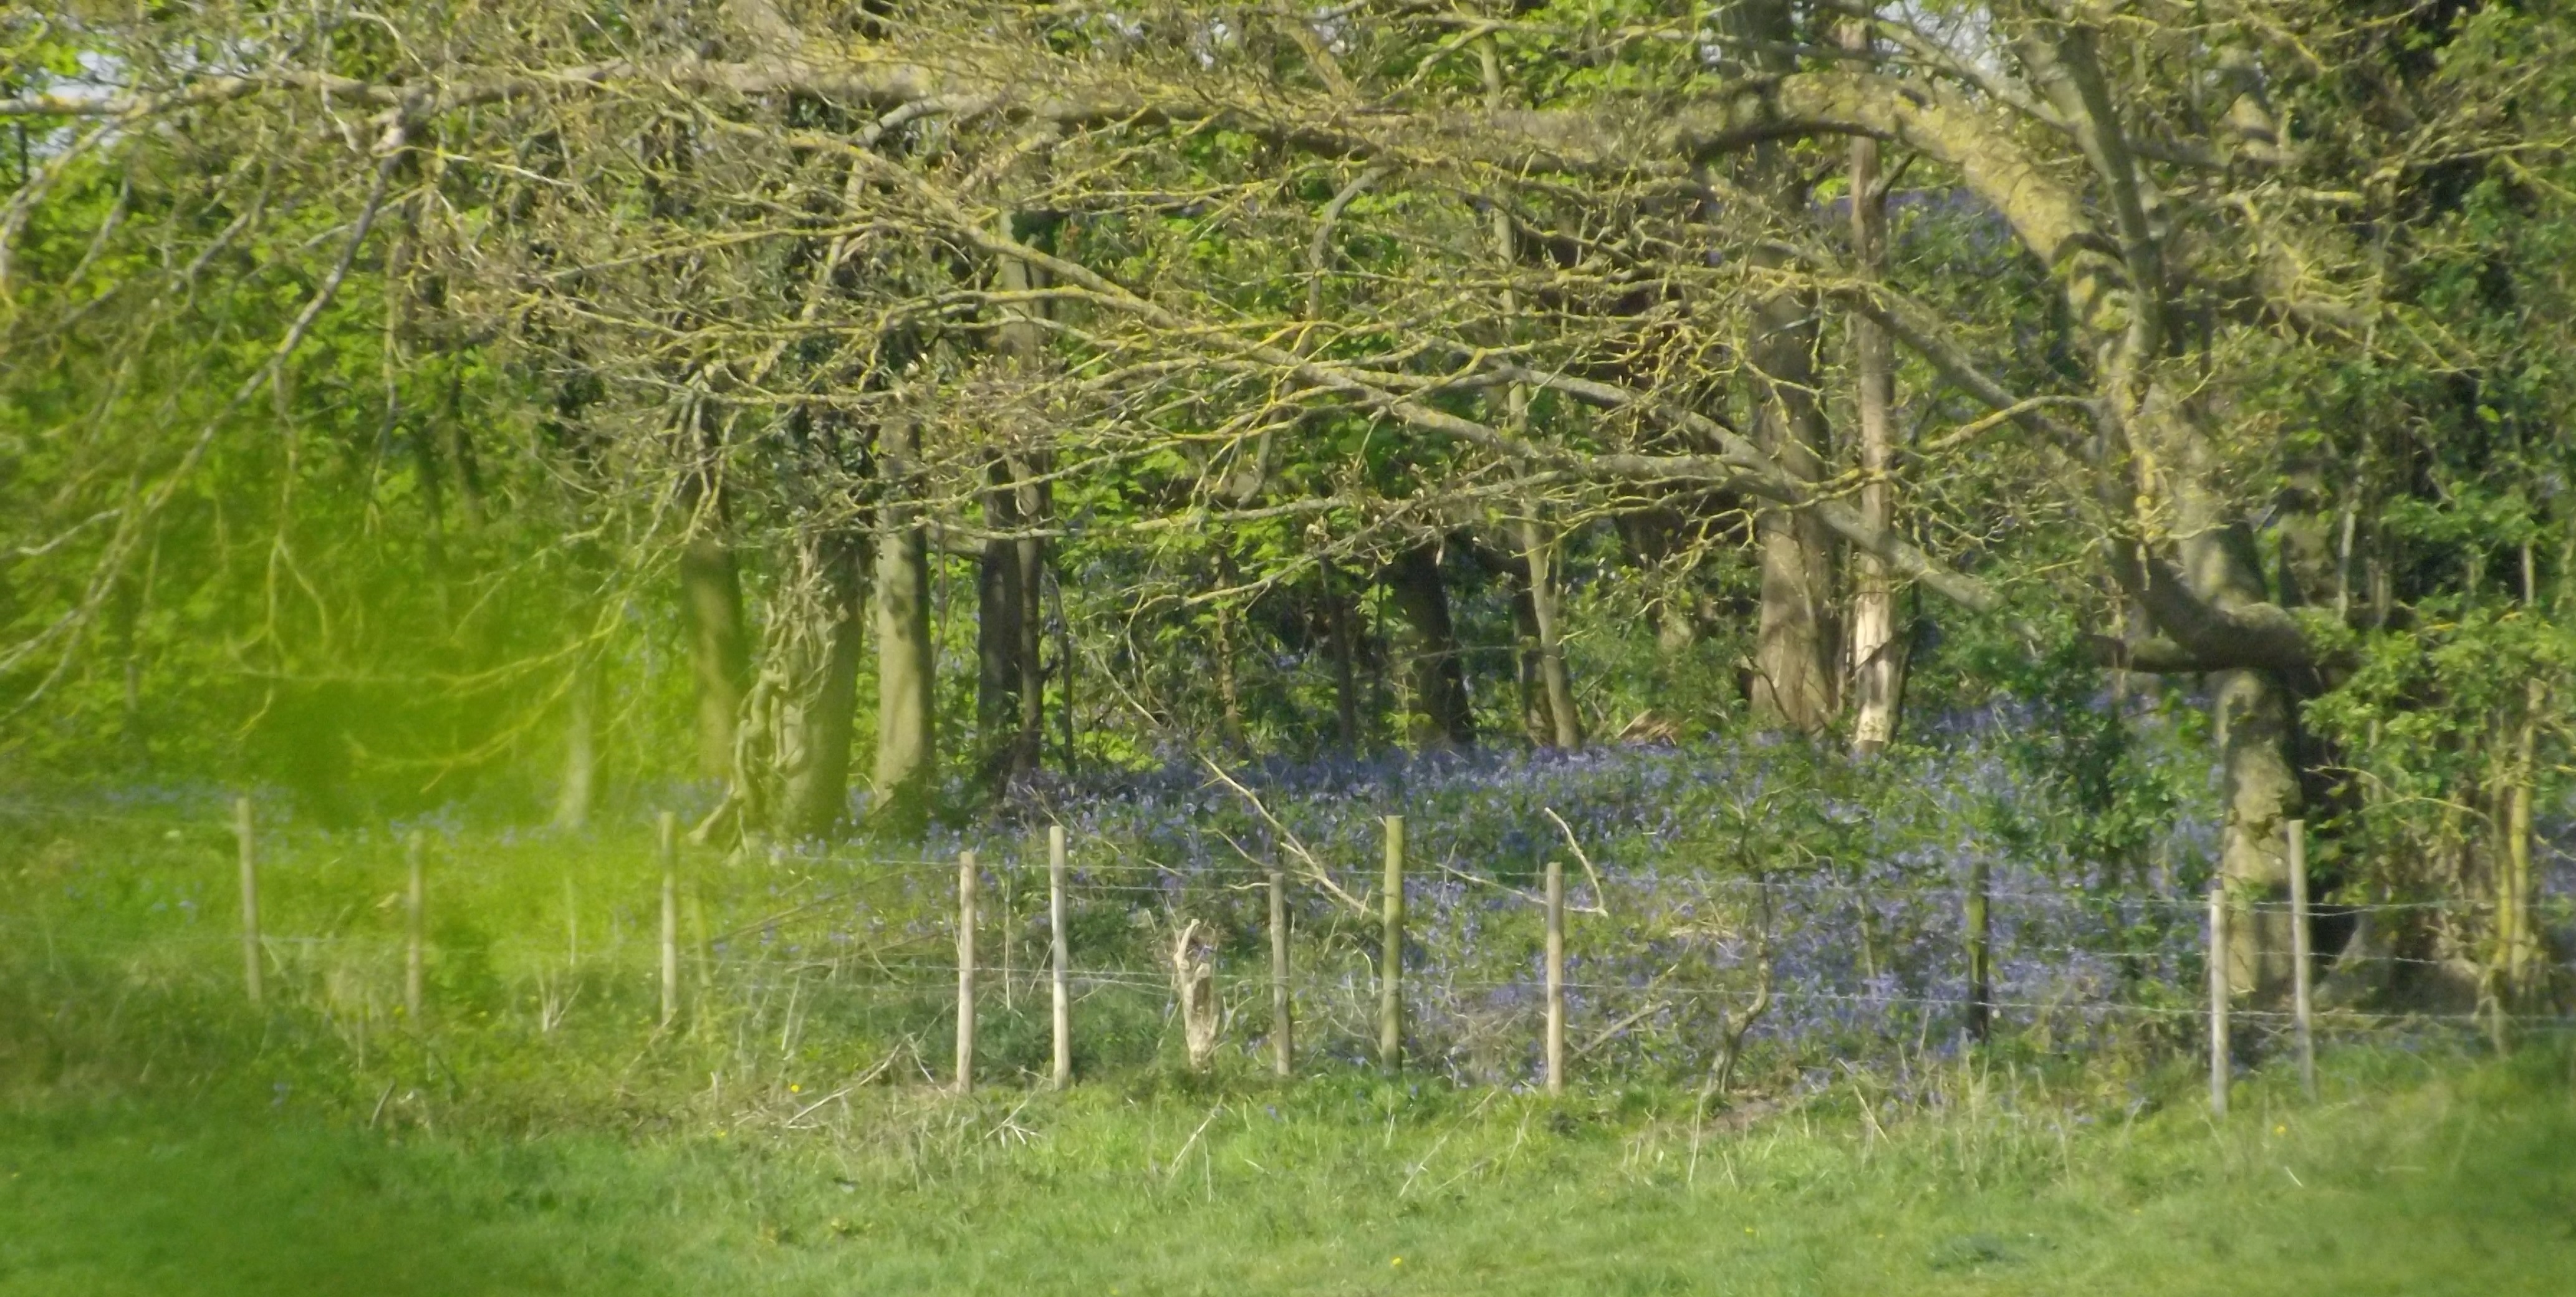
(1517, 646)
(882, 416)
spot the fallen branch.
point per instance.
(1314, 867)
(1600, 895)
(1173, 1167)
(1612, 1031)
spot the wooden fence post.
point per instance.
(965, 971)
(251, 958)
(1283, 1021)
(1390, 968)
(1062, 955)
(2302, 993)
(669, 824)
(1981, 955)
(1555, 976)
(2218, 994)
(415, 900)
(1002, 871)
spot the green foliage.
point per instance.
(353, 515)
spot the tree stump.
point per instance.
(1194, 985)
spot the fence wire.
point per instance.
(1667, 969)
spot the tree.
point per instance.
(2202, 313)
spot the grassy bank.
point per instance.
(2416, 1176)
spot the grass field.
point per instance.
(2432, 1176)
(159, 1137)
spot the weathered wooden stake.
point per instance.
(242, 832)
(1556, 977)
(2302, 997)
(1010, 921)
(669, 824)
(2218, 1061)
(415, 900)
(1390, 967)
(1283, 1021)
(1062, 955)
(965, 971)
(1981, 965)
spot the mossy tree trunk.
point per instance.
(1794, 668)
(818, 717)
(719, 651)
(907, 759)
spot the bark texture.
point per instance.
(719, 650)
(907, 760)
(1037, 504)
(1794, 667)
(1011, 580)
(1000, 611)
(1555, 682)
(2258, 776)
(1794, 670)
(1877, 644)
(1435, 678)
(818, 717)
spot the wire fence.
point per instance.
(1679, 972)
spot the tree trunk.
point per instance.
(2260, 788)
(1229, 691)
(1794, 667)
(578, 794)
(1194, 987)
(1537, 725)
(2517, 934)
(1877, 648)
(2517, 893)
(999, 610)
(132, 736)
(1662, 543)
(1547, 702)
(1036, 504)
(907, 766)
(719, 657)
(1021, 491)
(1229, 694)
(1346, 685)
(2258, 775)
(1064, 668)
(1794, 675)
(817, 719)
(1556, 684)
(1434, 675)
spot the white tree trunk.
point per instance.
(1877, 645)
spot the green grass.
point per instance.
(157, 1136)
(2423, 1178)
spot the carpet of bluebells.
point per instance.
(1696, 880)
(1813, 905)
(1772, 903)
